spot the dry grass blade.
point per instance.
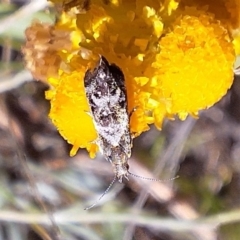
(203, 204)
(172, 155)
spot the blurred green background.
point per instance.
(43, 192)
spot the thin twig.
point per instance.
(15, 81)
(140, 219)
(81, 217)
(237, 71)
(29, 9)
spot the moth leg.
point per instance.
(109, 159)
(95, 141)
(132, 111)
(89, 113)
(133, 135)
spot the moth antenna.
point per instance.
(153, 179)
(110, 185)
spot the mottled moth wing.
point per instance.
(107, 97)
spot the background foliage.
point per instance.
(43, 190)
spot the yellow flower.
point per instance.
(236, 43)
(226, 11)
(177, 58)
(69, 112)
(200, 71)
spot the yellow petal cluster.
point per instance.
(200, 71)
(177, 58)
(69, 112)
(226, 11)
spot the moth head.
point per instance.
(119, 160)
(121, 171)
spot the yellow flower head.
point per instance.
(177, 58)
(69, 109)
(200, 71)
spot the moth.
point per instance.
(107, 97)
